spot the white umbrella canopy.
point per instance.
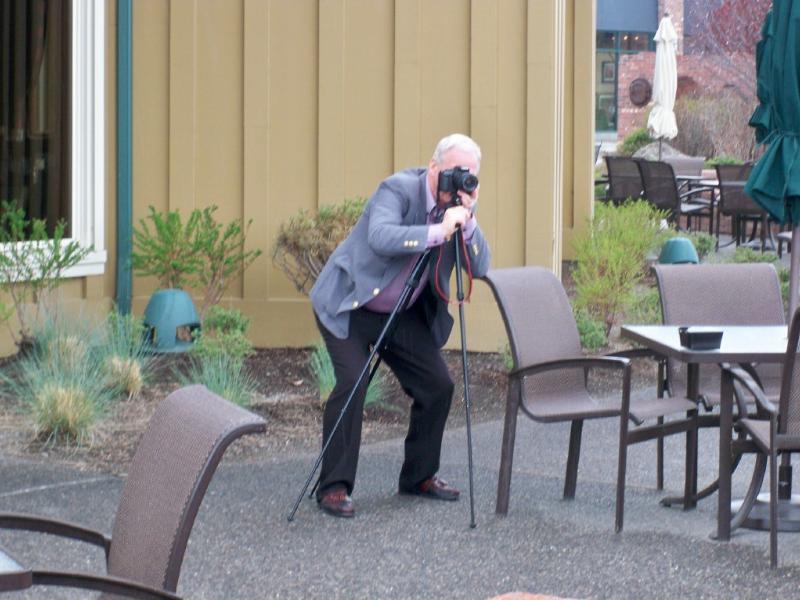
(661, 121)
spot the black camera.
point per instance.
(457, 179)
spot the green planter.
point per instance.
(167, 312)
(678, 250)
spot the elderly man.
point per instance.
(358, 288)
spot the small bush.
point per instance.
(611, 258)
(224, 331)
(638, 138)
(306, 241)
(591, 331)
(32, 266)
(724, 159)
(646, 308)
(321, 369)
(224, 375)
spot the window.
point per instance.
(52, 117)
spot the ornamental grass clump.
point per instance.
(224, 375)
(322, 371)
(57, 382)
(611, 258)
(125, 360)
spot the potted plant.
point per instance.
(168, 248)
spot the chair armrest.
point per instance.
(741, 377)
(101, 583)
(695, 191)
(637, 353)
(54, 527)
(601, 362)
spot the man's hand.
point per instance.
(469, 201)
(454, 217)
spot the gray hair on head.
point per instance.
(459, 141)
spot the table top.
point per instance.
(753, 343)
(12, 575)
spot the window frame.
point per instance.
(87, 192)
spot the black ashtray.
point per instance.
(700, 338)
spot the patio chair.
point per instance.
(624, 179)
(774, 430)
(661, 190)
(717, 294)
(737, 205)
(548, 381)
(168, 477)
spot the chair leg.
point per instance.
(773, 506)
(759, 470)
(622, 465)
(660, 458)
(507, 450)
(571, 479)
(690, 483)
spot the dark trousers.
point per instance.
(418, 364)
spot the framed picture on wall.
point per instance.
(608, 70)
(607, 110)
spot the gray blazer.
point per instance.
(392, 228)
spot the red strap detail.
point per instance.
(468, 265)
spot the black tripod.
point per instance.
(412, 281)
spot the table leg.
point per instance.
(725, 437)
(692, 393)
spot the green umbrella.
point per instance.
(762, 117)
(774, 182)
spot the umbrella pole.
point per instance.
(659, 147)
(794, 270)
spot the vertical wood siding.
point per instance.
(265, 107)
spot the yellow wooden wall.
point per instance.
(265, 107)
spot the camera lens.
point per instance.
(470, 183)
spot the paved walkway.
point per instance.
(403, 547)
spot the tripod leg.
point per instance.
(459, 242)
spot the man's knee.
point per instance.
(441, 385)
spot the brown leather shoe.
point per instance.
(337, 502)
(433, 487)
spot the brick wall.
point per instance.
(700, 74)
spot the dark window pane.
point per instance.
(606, 40)
(35, 110)
(634, 41)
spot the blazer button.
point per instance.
(375, 292)
(405, 243)
(416, 243)
(475, 248)
(355, 304)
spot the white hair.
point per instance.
(459, 141)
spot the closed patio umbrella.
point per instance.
(774, 182)
(661, 121)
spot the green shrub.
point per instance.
(636, 139)
(591, 331)
(222, 249)
(611, 258)
(167, 248)
(723, 159)
(222, 374)
(646, 307)
(321, 369)
(306, 241)
(224, 332)
(200, 253)
(32, 266)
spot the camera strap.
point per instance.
(467, 265)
